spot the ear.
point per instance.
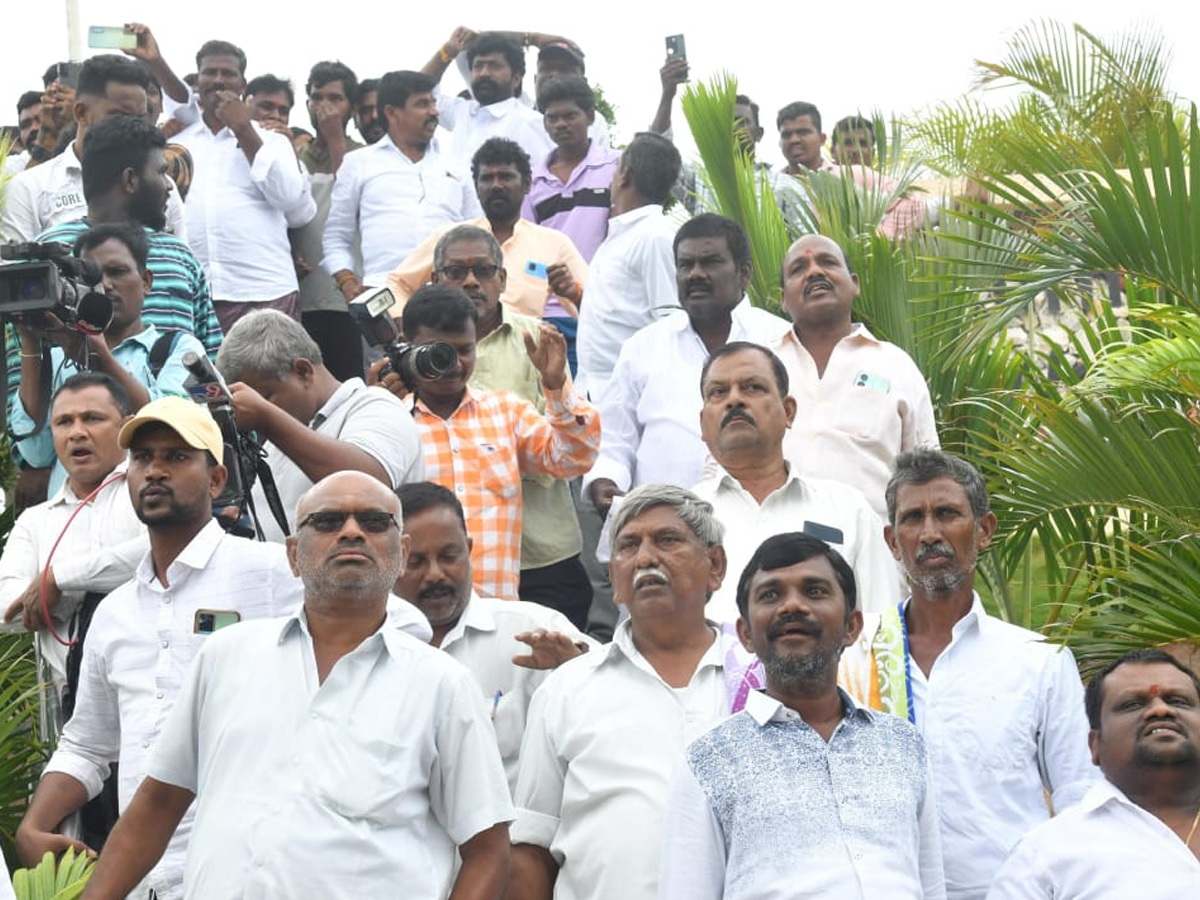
(854, 627)
(503, 276)
(719, 562)
(130, 179)
(291, 544)
(591, 118)
(1094, 746)
(217, 477)
(857, 289)
(743, 633)
(789, 409)
(405, 546)
(823, 139)
(147, 279)
(757, 134)
(745, 273)
(79, 110)
(889, 535)
(305, 371)
(986, 527)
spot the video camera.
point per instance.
(48, 279)
(244, 458)
(411, 362)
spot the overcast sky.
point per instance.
(844, 57)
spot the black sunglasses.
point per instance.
(482, 271)
(370, 521)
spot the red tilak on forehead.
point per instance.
(1154, 690)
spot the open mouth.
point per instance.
(817, 284)
(649, 578)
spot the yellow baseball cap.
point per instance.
(191, 421)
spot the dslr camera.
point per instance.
(46, 278)
(412, 362)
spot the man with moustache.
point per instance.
(483, 633)
(1134, 834)
(361, 759)
(370, 124)
(392, 194)
(494, 109)
(1001, 710)
(802, 793)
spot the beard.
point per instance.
(145, 208)
(800, 670)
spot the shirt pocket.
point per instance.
(498, 470)
(365, 774)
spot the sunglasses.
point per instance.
(482, 271)
(370, 521)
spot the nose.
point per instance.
(155, 470)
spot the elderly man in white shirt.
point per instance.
(631, 279)
(362, 761)
(247, 191)
(495, 109)
(1000, 709)
(757, 493)
(52, 192)
(651, 426)
(396, 192)
(1134, 834)
(606, 730)
(86, 414)
(485, 634)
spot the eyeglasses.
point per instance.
(370, 521)
(481, 271)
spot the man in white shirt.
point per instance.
(803, 793)
(606, 730)
(314, 424)
(247, 191)
(485, 634)
(144, 635)
(85, 415)
(859, 400)
(360, 761)
(1000, 709)
(651, 430)
(495, 108)
(395, 192)
(1134, 834)
(757, 493)
(52, 192)
(631, 279)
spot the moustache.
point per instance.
(737, 414)
(933, 551)
(807, 626)
(436, 591)
(815, 283)
(648, 573)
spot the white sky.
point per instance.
(877, 54)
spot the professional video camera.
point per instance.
(410, 361)
(48, 279)
(244, 459)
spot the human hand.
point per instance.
(549, 356)
(563, 283)
(33, 845)
(460, 39)
(29, 604)
(673, 74)
(382, 374)
(548, 649)
(58, 107)
(147, 47)
(601, 492)
(251, 409)
(232, 111)
(330, 124)
(303, 269)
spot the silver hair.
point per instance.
(460, 234)
(696, 513)
(268, 342)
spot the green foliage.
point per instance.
(22, 753)
(51, 880)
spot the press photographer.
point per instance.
(313, 424)
(67, 325)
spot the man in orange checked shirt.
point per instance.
(478, 443)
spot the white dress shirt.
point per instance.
(52, 192)
(484, 640)
(108, 521)
(763, 808)
(825, 509)
(631, 282)
(363, 785)
(238, 214)
(1105, 848)
(394, 203)
(1002, 715)
(605, 732)
(473, 124)
(370, 418)
(139, 647)
(651, 409)
(871, 404)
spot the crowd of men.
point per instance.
(496, 379)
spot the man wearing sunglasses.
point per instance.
(328, 749)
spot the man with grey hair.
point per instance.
(1001, 710)
(314, 424)
(606, 730)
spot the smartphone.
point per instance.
(68, 74)
(536, 269)
(111, 37)
(209, 621)
(676, 48)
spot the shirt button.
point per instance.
(458, 488)
(166, 598)
(145, 745)
(159, 695)
(165, 644)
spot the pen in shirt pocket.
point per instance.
(496, 703)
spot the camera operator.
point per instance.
(144, 361)
(314, 425)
